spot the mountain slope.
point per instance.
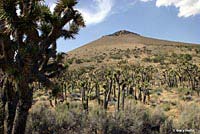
(125, 45)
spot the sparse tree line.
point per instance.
(186, 75)
(114, 84)
(107, 84)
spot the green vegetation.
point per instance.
(135, 119)
(190, 117)
(28, 53)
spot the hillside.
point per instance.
(123, 83)
(125, 45)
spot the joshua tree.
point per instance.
(120, 81)
(86, 89)
(146, 92)
(28, 35)
(84, 95)
(170, 76)
(123, 95)
(193, 74)
(108, 88)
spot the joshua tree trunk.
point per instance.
(131, 91)
(7, 95)
(118, 100)
(83, 95)
(12, 100)
(97, 93)
(24, 104)
(135, 93)
(144, 99)
(51, 103)
(107, 97)
(140, 94)
(123, 96)
(2, 110)
(86, 105)
(55, 100)
(84, 99)
(2, 115)
(114, 90)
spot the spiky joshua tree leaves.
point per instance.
(28, 34)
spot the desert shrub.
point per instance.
(123, 62)
(158, 59)
(99, 61)
(174, 55)
(79, 61)
(167, 127)
(147, 59)
(190, 118)
(135, 119)
(174, 103)
(158, 116)
(100, 58)
(166, 106)
(88, 60)
(88, 68)
(197, 50)
(63, 120)
(173, 60)
(186, 97)
(70, 61)
(68, 119)
(136, 56)
(186, 57)
(184, 91)
(127, 55)
(128, 51)
(116, 56)
(41, 120)
(156, 91)
(189, 49)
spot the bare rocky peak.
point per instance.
(123, 32)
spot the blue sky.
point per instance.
(177, 20)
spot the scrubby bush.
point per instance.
(186, 57)
(116, 56)
(190, 118)
(184, 91)
(167, 127)
(79, 61)
(147, 59)
(186, 97)
(70, 61)
(63, 120)
(158, 59)
(123, 62)
(166, 106)
(41, 120)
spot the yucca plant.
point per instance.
(28, 34)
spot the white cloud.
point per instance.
(186, 8)
(96, 14)
(102, 8)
